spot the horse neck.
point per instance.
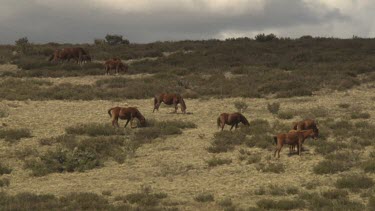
(307, 133)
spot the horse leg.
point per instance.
(127, 121)
(232, 127)
(115, 122)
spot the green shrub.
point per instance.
(254, 158)
(344, 105)
(360, 115)
(369, 166)
(335, 194)
(95, 129)
(204, 197)
(12, 135)
(145, 198)
(354, 181)
(5, 182)
(273, 108)
(330, 167)
(283, 204)
(226, 140)
(4, 169)
(260, 140)
(259, 126)
(271, 167)
(218, 161)
(285, 115)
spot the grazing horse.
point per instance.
(231, 119)
(126, 113)
(293, 138)
(305, 125)
(66, 54)
(169, 99)
(115, 64)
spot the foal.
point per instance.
(126, 113)
(231, 119)
(169, 99)
(293, 138)
(304, 125)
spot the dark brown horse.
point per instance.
(231, 119)
(66, 54)
(115, 64)
(305, 125)
(169, 99)
(126, 113)
(293, 138)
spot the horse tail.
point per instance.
(275, 140)
(109, 112)
(182, 103)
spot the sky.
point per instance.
(143, 21)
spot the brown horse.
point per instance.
(169, 99)
(293, 138)
(304, 125)
(231, 119)
(66, 54)
(126, 113)
(115, 64)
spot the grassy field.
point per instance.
(59, 151)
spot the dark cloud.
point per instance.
(82, 22)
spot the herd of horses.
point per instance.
(80, 56)
(294, 138)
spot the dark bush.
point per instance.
(355, 181)
(283, 204)
(11, 135)
(204, 197)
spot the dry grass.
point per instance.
(176, 164)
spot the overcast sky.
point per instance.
(77, 21)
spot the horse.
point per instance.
(169, 99)
(231, 119)
(128, 113)
(293, 138)
(66, 54)
(304, 125)
(115, 64)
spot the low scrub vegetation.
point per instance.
(4, 169)
(204, 197)
(283, 204)
(218, 161)
(95, 129)
(12, 135)
(354, 181)
(271, 167)
(273, 108)
(225, 141)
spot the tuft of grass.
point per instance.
(204, 197)
(263, 141)
(3, 113)
(285, 115)
(95, 129)
(225, 141)
(369, 166)
(4, 169)
(335, 194)
(330, 167)
(145, 198)
(5, 182)
(271, 167)
(11, 135)
(344, 105)
(218, 161)
(273, 108)
(283, 204)
(259, 127)
(354, 181)
(240, 106)
(360, 115)
(253, 158)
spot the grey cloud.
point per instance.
(76, 24)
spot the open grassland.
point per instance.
(180, 167)
(58, 149)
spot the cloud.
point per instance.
(152, 20)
